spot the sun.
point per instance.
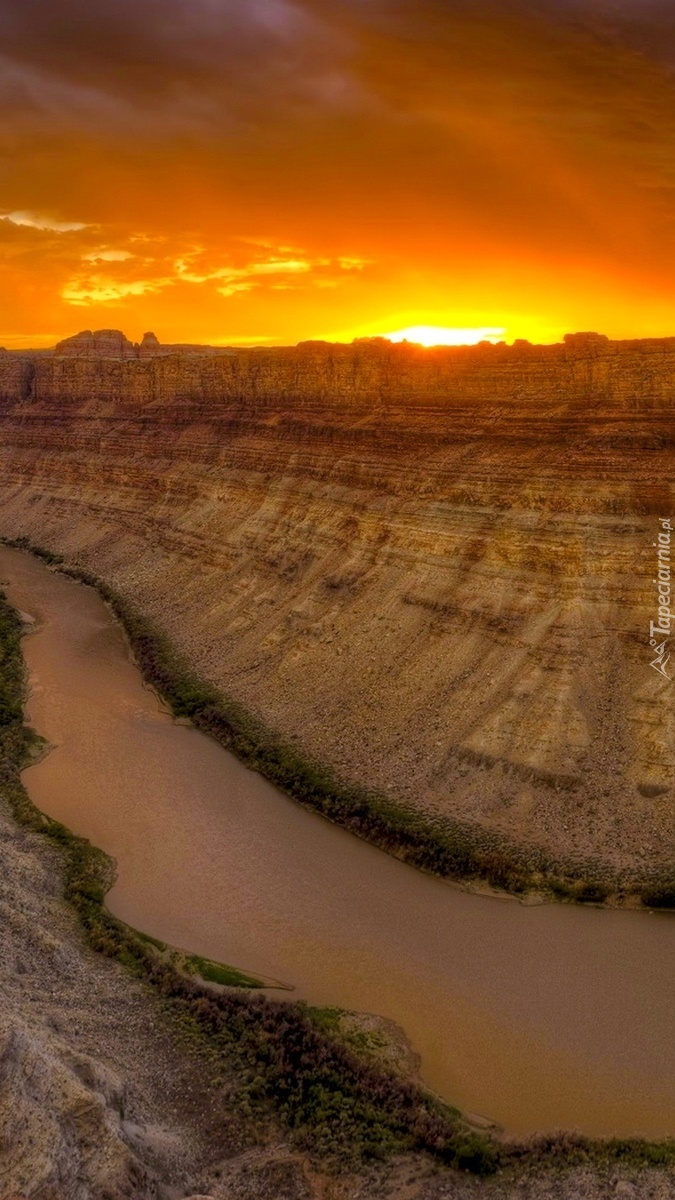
(439, 335)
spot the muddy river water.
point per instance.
(539, 1017)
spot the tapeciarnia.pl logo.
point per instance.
(659, 631)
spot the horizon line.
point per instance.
(580, 337)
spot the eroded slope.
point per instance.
(431, 569)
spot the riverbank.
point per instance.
(87, 887)
(454, 850)
(101, 1091)
(333, 1102)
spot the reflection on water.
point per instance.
(540, 1017)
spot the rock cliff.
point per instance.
(432, 569)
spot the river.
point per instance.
(540, 1017)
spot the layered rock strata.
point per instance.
(431, 569)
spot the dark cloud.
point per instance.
(213, 67)
(446, 141)
(204, 62)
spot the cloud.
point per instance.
(204, 66)
(271, 270)
(107, 256)
(100, 290)
(487, 157)
(35, 221)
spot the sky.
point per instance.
(270, 171)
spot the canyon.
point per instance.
(428, 569)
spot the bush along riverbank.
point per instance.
(335, 1101)
(451, 849)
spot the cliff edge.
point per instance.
(431, 570)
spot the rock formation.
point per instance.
(105, 343)
(150, 345)
(432, 569)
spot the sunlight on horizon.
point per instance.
(440, 335)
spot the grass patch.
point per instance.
(150, 941)
(214, 972)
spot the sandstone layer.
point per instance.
(431, 569)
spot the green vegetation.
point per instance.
(214, 972)
(372, 1043)
(659, 894)
(24, 543)
(151, 941)
(11, 676)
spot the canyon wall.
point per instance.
(431, 569)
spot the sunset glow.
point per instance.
(276, 171)
(435, 335)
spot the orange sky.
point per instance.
(268, 171)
